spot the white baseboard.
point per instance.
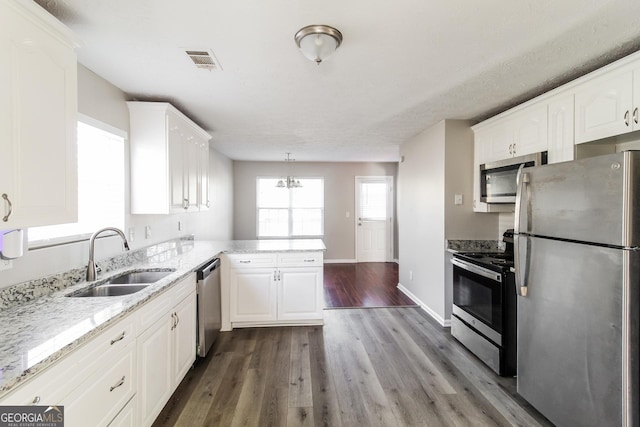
(397, 261)
(443, 322)
(339, 261)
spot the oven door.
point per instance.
(477, 296)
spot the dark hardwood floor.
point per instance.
(376, 367)
(365, 284)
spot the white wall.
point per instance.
(339, 190)
(438, 163)
(104, 102)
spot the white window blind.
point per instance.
(373, 201)
(294, 212)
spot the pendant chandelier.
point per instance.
(289, 181)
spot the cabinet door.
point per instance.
(99, 399)
(191, 153)
(560, 132)
(300, 293)
(128, 416)
(155, 373)
(603, 107)
(203, 176)
(530, 131)
(253, 294)
(500, 140)
(176, 140)
(184, 336)
(38, 119)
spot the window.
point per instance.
(294, 212)
(100, 188)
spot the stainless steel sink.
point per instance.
(124, 284)
(138, 277)
(108, 290)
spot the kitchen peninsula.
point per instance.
(47, 333)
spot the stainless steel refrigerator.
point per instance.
(577, 253)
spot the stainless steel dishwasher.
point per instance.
(209, 316)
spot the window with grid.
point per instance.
(290, 212)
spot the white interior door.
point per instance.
(374, 212)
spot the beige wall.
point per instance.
(101, 101)
(339, 189)
(438, 163)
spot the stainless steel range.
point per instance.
(484, 312)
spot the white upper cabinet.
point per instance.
(530, 130)
(604, 106)
(561, 146)
(38, 118)
(167, 168)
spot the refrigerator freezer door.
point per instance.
(589, 200)
(570, 332)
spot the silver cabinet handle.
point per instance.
(6, 198)
(118, 384)
(275, 275)
(120, 338)
(173, 321)
(35, 400)
(635, 115)
(185, 204)
(514, 149)
(177, 319)
(245, 261)
(310, 260)
(626, 118)
(208, 204)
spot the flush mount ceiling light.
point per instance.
(318, 42)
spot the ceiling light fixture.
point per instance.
(289, 181)
(318, 42)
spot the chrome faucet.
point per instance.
(91, 267)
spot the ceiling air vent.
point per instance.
(204, 59)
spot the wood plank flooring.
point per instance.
(365, 284)
(374, 367)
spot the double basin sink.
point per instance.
(124, 284)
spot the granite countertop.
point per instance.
(39, 330)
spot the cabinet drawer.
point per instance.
(54, 383)
(156, 309)
(252, 260)
(103, 395)
(300, 259)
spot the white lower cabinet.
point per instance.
(274, 289)
(99, 399)
(126, 374)
(166, 349)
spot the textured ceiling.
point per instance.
(403, 66)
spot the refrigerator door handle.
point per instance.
(522, 180)
(520, 266)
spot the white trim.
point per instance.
(396, 260)
(443, 322)
(88, 120)
(339, 261)
(388, 179)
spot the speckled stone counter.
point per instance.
(40, 324)
(474, 245)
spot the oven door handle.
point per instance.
(477, 270)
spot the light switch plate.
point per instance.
(457, 199)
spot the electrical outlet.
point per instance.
(147, 232)
(132, 234)
(348, 214)
(6, 264)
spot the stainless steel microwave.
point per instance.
(498, 179)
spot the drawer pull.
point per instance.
(118, 384)
(120, 338)
(245, 261)
(309, 260)
(177, 319)
(173, 321)
(35, 400)
(6, 199)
